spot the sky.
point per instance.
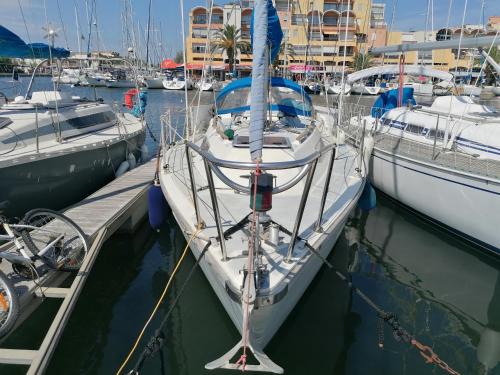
(166, 21)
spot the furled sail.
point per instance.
(266, 35)
(13, 46)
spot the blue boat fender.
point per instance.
(157, 206)
(368, 199)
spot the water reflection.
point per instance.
(448, 291)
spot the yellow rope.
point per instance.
(160, 300)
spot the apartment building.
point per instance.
(323, 32)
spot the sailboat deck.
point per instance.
(128, 126)
(457, 160)
(235, 207)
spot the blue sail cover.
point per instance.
(274, 32)
(14, 47)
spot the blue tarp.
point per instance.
(389, 100)
(274, 32)
(14, 47)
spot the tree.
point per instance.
(285, 49)
(362, 61)
(179, 57)
(490, 75)
(229, 40)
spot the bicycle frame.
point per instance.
(12, 237)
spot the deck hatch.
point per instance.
(270, 141)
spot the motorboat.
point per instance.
(60, 148)
(178, 83)
(261, 188)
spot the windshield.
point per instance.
(285, 99)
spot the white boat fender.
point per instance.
(124, 166)
(488, 350)
(367, 152)
(131, 160)
(144, 153)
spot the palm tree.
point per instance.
(362, 61)
(229, 40)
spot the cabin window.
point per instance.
(86, 121)
(414, 129)
(4, 121)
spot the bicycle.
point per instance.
(9, 305)
(50, 237)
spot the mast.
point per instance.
(260, 79)
(147, 38)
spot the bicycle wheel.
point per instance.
(47, 226)
(9, 305)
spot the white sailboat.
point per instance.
(208, 84)
(178, 83)
(336, 89)
(441, 160)
(262, 189)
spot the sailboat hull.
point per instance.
(267, 319)
(59, 181)
(449, 197)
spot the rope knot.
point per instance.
(242, 362)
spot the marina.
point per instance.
(277, 187)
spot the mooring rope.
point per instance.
(160, 300)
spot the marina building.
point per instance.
(323, 32)
(320, 35)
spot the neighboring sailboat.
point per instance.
(57, 148)
(296, 185)
(442, 160)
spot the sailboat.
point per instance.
(55, 147)
(262, 189)
(442, 160)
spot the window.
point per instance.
(200, 19)
(199, 48)
(86, 121)
(217, 19)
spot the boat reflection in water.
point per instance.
(446, 293)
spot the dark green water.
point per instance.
(444, 292)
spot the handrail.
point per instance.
(266, 166)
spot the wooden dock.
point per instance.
(120, 204)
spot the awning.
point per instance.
(304, 68)
(13, 46)
(169, 64)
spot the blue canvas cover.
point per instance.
(389, 100)
(286, 106)
(13, 46)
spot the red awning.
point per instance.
(169, 64)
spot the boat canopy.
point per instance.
(13, 46)
(414, 70)
(286, 96)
